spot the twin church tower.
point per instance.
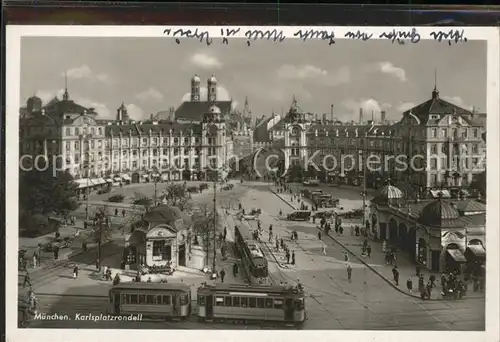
(196, 89)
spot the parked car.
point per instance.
(299, 215)
(104, 190)
(61, 243)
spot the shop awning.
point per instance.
(109, 180)
(145, 176)
(477, 250)
(443, 193)
(97, 181)
(155, 175)
(126, 177)
(164, 176)
(117, 179)
(83, 183)
(457, 255)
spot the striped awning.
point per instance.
(109, 180)
(83, 183)
(117, 179)
(457, 255)
(126, 177)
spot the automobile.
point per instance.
(193, 189)
(104, 191)
(227, 187)
(324, 214)
(248, 217)
(60, 243)
(299, 215)
(203, 186)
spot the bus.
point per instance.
(251, 303)
(157, 300)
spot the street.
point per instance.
(332, 301)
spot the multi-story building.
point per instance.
(74, 139)
(435, 145)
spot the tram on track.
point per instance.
(157, 300)
(253, 260)
(247, 303)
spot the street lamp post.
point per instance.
(214, 272)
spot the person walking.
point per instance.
(409, 285)
(395, 274)
(222, 275)
(287, 255)
(349, 272)
(35, 260)
(116, 211)
(27, 279)
(341, 230)
(75, 272)
(123, 212)
(324, 249)
(319, 235)
(346, 257)
(293, 258)
(235, 270)
(368, 250)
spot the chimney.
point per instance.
(331, 112)
(382, 117)
(361, 115)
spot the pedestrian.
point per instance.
(346, 257)
(324, 249)
(409, 285)
(75, 272)
(222, 275)
(282, 243)
(116, 211)
(123, 212)
(225, 233)
(105, 270)
(319, 235)
(336, 229)
(356, 230)
(369, 250)
(349, 272)
(417, 271)
(395, 274)
(56, 252)
(341, 230)
(293, 258)
(27, 280)
(428, 290)
(116, 280)
(97, 264)
(149, 280)
(432, 279)
(421, 283)
(84, 245)
(108, 273)
(35, 259)
(287, 255)
(235, 270)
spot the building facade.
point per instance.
(434, 145)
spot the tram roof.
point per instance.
(151, 286)
(245, 288)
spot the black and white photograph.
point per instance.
(274, 186)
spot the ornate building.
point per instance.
(72, 137)
(443, 145)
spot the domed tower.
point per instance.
(195, 88)
(212, 89)
(34, 104)
(122, 114)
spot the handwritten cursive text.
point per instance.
(401, 36)
(316, 34)
(452, 36)
(358, 35)
(196, 34)
(274, 35)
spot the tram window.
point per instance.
(260, 303)
(236, 301)
(150, 299)
(166, 300)
(219, 301)
(252, 302)
(299, 304)
(124, 299)
(142, 299)
(183, 298)
(244, 302)
(227, 301)
(158, 299)
(133, 299)
(201, 300)
(278, 303)
(269, 303)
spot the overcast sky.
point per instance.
(152, 74)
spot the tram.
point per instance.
(158, 300)
(253, 260)
(250, 303)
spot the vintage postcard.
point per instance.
(309, 182)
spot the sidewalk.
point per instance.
(407, 269)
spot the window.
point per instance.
(150, 299)
(236, 301)
(227, 301)
(186, 141)
(299, 304)
(92, 130)
(133, 299)
(165, 141)
(269, 303)
(165, 152)
(124, 299)
(278, 303)
(433, 164)
(144, 141)
(68, 131)
(92, 143)
(454, 132)
(252, 302)
(244, 302)
(158, 299)
(219, 301)
(444, 132)
(100, 130)
(474, 133)
(77, 131)
(176, 141)
(474, 148)
(166, 300)
(260, 303)
(157, 247)
(433, 148)
(68, 145)
(434, 132)
(201, 300)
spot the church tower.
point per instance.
(247, 112)
(195, 88)
(66, 94)
(212, 89)
(122, 114)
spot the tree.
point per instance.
(203, 226)
(141, 199)
(43, 192)
(176, 195)
(479, 183)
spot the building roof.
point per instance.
(162, 128)
(193, 111)
(388, 194)
(164, 214)
(338, 130)
(65, 107)
(437, 105)
(440, 214)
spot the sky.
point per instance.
(152, 74)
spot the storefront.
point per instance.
(126, 178)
